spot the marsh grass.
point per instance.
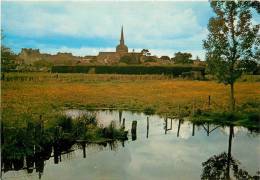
(47, 94)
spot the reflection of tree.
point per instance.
(218, 166)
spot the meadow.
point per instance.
(48, 94)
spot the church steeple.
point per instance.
(122, 48)
(122, 41)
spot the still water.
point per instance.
(160, 149)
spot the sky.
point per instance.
(87, 27)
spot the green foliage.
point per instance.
(149, 111)
(42, 63)
(112, 132)
(165, 58)
(130, 59)
(65, 122)
(8, 59)
(248, 66)
(149, 59)
(182, 58)
(232, 38)
(216, 168)
(167, 70)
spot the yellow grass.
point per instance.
(48, 96)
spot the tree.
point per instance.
(219, 166)
(146, 52)
(248, 66)
(232, 38)
(165, 58)
(130, 59)
(8, 57)
(182, 58)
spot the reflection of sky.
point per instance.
(161, 156)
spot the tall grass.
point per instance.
(46, 94)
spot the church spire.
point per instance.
(122, 48)
(122, 37)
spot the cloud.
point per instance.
(158, 26)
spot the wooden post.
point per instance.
(133, 130)
(209, 102)
(147, 127)
(120, 116)
(193, 129)
(123, 126)
(179, 126)
(166, 124)
(56, 152)
(84, 149)
(41, 124)
(208, 130)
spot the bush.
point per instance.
(149, 111)
(128, 59)
(254, 117)
(65, 122)
(137, 69)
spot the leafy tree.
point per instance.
(232, 38)
(130, 59)
(248, 66)
(182, 58)
(145, 52)
(216, 167)
(42, 63)
(165, 57)
(8, 57)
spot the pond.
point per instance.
(157, 148)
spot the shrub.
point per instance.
(133, 69)
(149, 111)
(65, 122)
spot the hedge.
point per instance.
(167, 70)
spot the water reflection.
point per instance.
(219, 166)
(172, 145)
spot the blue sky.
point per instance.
(87, 27)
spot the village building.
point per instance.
(121, 51)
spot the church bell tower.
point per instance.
(122, 48)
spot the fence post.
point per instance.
(133, 130)
(209, 102)
(123, 126)
(166, 124)
(193, 129)
(84, 149)
(120, 116)
(179, 126)
(147, 127)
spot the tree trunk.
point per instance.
(232, 98)
(231, 131)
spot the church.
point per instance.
(120, 53)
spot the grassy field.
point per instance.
(48, 94)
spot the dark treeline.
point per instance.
(167, 70)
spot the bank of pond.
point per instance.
(165, 142)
